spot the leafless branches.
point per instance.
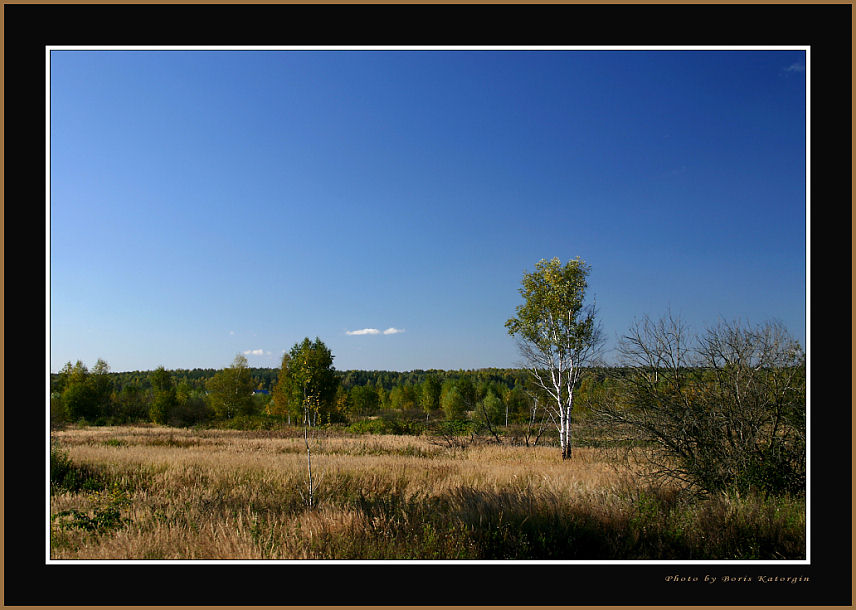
(724, 410)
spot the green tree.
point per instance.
(284, 401)
(84, 394)
(79, 402)
(313, 381)
(557, 335)
(190, 407)
(364, 400)
(230, 391)
(516, 405)
(341, 405)
(429, 394)
(307, 380)
(493, 407)
(403, 397)
(470, 393)
(71, 373)
(164, 395)
(451, 401)
(382, 395)
(102, 386)
(130, 403)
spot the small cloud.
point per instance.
(254, 352)
(795, 67)
(364, 331)
(393, 331)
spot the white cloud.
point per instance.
(374, 331)
(364, 331)
(254, 352)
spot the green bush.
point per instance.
(368, 426)
(68, 476)
(389, 422)
(248, 422)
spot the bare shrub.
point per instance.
(722, 411)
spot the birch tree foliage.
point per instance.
(230, 391)
(557, 334)
(551, 318)
(307, 381)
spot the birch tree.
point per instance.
(557, 335)
(307, 380)
(230, 391)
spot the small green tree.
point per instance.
(557, 335)
(230, 391)
(403, 397)
(451, 401)
(490, 412)
(429, 395)
(130, 403)
(364, 400)
(516, 405)
(164, 395)
(313, 382)
(306, 371)
(79, 402)
(283, 397)
(84, 394)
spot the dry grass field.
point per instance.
(148, 492)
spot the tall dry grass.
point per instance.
(227, 494)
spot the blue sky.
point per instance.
(210, 203)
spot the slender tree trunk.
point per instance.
(308, 455)
(566, 422)
(306, 422)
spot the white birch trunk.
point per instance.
(308, 456)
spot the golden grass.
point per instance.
(226, 494)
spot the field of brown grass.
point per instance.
(154, 493)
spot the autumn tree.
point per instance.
(557, 335)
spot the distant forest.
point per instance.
(243, 396)
(266, 378)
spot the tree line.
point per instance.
(186, 397)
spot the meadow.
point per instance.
(159, 493)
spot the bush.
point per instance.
(190, 412)
(390, 422)
(247, 422)
(68, 476)
(723, 413)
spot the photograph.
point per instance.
(396, 312)
(417, 304)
